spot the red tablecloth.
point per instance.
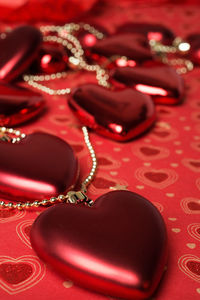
(171, 156)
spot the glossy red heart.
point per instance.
(118, 114)
(125, 44)
(150, 30)
(18, 105)
(161, 82)
(18, 50)
(39, 166)
(116, 247)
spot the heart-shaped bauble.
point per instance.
(125, 44)
(117, 247)
(18, 50)
(161, 82)
(39, 166)
(157, 32)
(120, 115)
(18, 105)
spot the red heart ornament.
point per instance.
(161, 82)
(18, 105)
(125, 44)
(39, 166)
(18, 50)
(104, 248)
(157, 32)
(120, 115)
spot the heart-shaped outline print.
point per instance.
(18, 214)
(163, 134)
(39, 270)
(111, 163)
(188, 201)
(20, 229)
(195, 145)
(190, 163)
(97, 190)
(172, 177)
(198, 183)
(194, 230)
(182, 263)
(149, 152)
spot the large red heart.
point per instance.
(161, 82)
(125, 44)
(117, 247)
(17, 51)
(39, 166)
(119, 115)
(18, 105)
(151, 31)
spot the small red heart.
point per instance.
(149, 151)
(39, 166)
(15, 273)
(103, 161)
(157, 177)
(133, 46)
(102, 183)
(120, 115)
(194, 206)
(6, 213)
(161, 82)
(194, 267)
(27, 230)
(18, 105)
(104, 248)
(18, 50)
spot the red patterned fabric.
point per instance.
(163, 166)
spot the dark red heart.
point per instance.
(125, 44)
(151, 31)
(18, 50)
(117, 247)
(39, 166)
(156, 176)
(120, 115)
(161, 82)
(15, 273)
(18, 105)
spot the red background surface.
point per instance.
(171, 148)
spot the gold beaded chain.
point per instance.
(71, 196)
(69, 41)
(179, 47)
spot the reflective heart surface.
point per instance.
(38, 167)
(117, 114)
(125, 44)
(161, 82)
(17, 51)
(116, 247)
(18, 105)
(157, 32)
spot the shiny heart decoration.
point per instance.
(161, 82)
(18, 105)
(18, 50)
(125, 44)
(151, 31)
(38, 167)
(120, 114)
(116, 247)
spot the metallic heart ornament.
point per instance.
(120, 114)
(161, 82)
(17, 51)
(38, 167)
(18, 105)
(157, 32)
(116, 247)
(133, 46)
